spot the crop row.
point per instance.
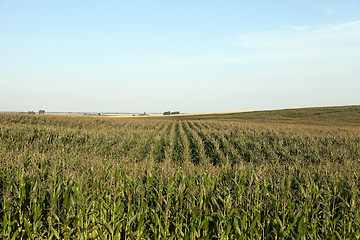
(98, 178)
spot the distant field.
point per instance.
(212, 113)
(285, 174)
(118, 115)
(349, 116)
(161, 115)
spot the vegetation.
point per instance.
(171, 113)
(291, 174)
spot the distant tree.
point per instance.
(41, 111)
(176, 112)
(31, 112)
(167, 113)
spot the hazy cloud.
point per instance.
(302, 36)
(329, 11)
(287, 43)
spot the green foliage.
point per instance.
(219, 178)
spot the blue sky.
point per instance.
(191, 56)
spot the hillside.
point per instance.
(344, 115)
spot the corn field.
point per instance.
(218, 177)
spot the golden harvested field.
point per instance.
(212, 113)
(287, 174)
(161, 115)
